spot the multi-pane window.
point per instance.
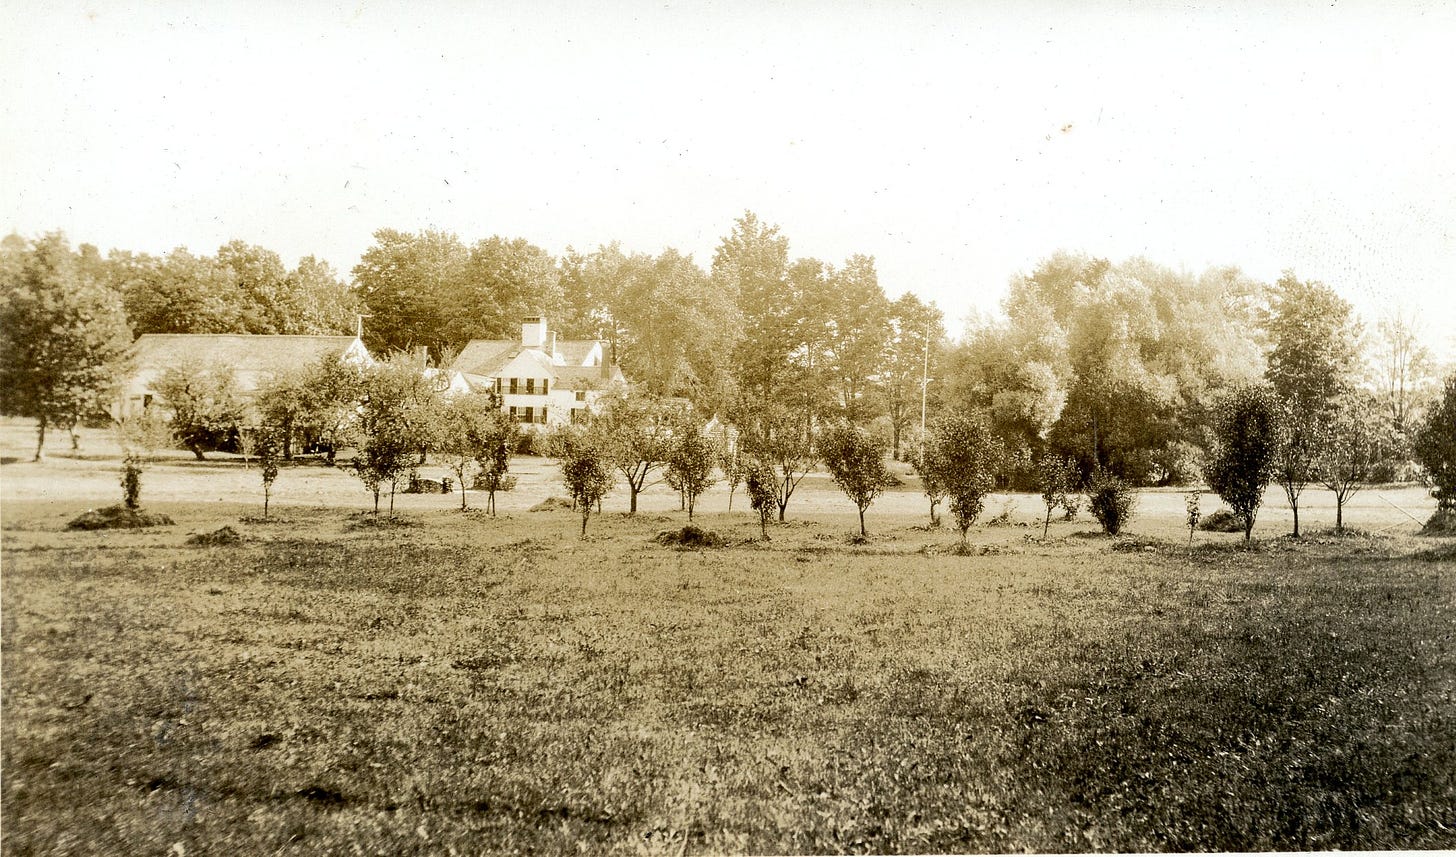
(514, 384)
(530, 386)
(581, 395)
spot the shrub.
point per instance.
(1435, 447)
(1112, 501)
(962, 458)
(762, 487)
(1246, 434)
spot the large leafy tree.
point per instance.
(319, 302)
(678, 331)
(592, 288)
(260, 283)
(406, 283)
(859, 330)
(913, 353)
(63, 336)
(751, 266)
(181, 293)
(1106, 363)
(503, 280)
(1314, 345)
(1313, 354)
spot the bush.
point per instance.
(1112, 501)
(1442, 523)
(1222, 521)
(1435, 447)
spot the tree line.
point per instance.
(1116, 370)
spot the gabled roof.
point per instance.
(486, 356)
(489, 356)
(574, 352)
(242, 352)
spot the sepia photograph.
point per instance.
(732, 428)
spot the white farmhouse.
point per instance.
(541, 380)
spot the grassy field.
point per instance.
(454, 683)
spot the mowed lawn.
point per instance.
(476, 685)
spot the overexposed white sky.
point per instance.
(957, 142)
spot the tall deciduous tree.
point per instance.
(1314, 347)
(676, 329)
(319, 302)
(63, 337)
(503, 280)
(859, 332)
(182, 293)
(913, 356)
(1402, 367)
(406, 283)
(751, 266)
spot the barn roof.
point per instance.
(245, 352)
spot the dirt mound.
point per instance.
(1221, 521)
(216, 538)
(1443, 523)
(552, 503)
(690, 537)
(117, 518)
